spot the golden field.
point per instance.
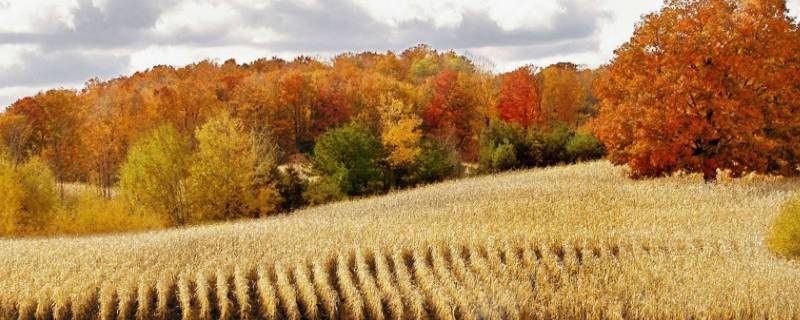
(579, 241)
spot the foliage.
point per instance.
(54, 119)
(784, 237)
(291, 188)
(224, 181)
(92, 214)
(517, 149)
(28, 196)
(15, 136)
(11, 196)
(450, 113)
(563, 93)
(504, 157)
(702, 86)
(324, 190)
(520, 98)
(551, 144)
(401, 132)
(435, 162)
(353, 158)
(583, 147)
(154, 173)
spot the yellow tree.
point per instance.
(563, 93)
(401, 131)
(225, 178)
(154, 174)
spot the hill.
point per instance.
(573, 241)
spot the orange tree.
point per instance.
(705, 85)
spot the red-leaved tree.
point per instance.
(520, 99)
(705, 85)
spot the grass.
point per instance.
(566, 242)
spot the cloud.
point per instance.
(62, 42)
(38, 68)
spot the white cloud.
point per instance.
(34, 16)
(509, 14)
(196, 16)
(10, 54)
(9, 95)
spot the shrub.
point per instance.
(551, 144)
(353, 157)
(504, 157)
(92, 214)
(11, 196)
(153, 175)
(513, 139)
(435, 162)
(784, 238)
(291, 188)
(28, 196)
(323, 191)
(584, 147)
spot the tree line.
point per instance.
(368, 122)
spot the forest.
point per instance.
(367, 123)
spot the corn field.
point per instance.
(579, 241)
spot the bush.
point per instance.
(323, 191)
(353, 157)
(583, 147)
(291, 188)
(784, 238)
(28, 196)
(11, 197)
(92, 214)
(551, 145)
(504, 157)
(435, 162)
(153, 175)
(514, 141)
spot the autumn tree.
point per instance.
(450, 113)
(28, 195)
(519, 100)
(331, 106)
(229, 174)
(15, 136)
(153, 176)
(562, 93)
(295, 98)
(702, 86)
(54, 117)
(401, 132)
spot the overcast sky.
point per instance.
(62, 43)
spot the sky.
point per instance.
(62, 43)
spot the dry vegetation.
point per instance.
(577, 241)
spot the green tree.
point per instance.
(435, 162)
(584, 146)
(229, 178)
(154, 173)
(353, 157)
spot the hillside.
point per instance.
(573, 241)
